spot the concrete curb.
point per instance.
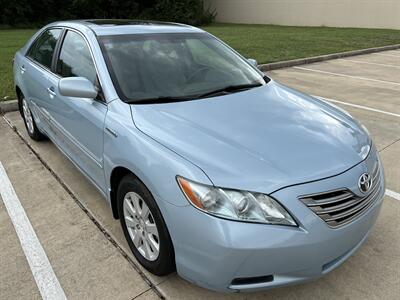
(309, 60)
(9, 105)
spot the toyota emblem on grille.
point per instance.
(365, 182)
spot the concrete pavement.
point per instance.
(86, 263)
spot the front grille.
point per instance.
(339, 207)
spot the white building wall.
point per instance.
(335, 13)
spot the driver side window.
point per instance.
(75, 59)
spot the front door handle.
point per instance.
(112, 132)
(51, 91)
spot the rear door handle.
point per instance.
(51, 91)
(22, 68)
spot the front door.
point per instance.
(78, 122)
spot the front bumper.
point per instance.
(211, 252)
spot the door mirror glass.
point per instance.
(253, 62)
(78, 87)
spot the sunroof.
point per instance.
(119, 22)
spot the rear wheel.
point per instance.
(29, 121)
(144, 227)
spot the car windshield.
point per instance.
(174, 66)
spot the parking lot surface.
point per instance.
(86, 247)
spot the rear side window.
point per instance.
(75, 59)
(42, 49)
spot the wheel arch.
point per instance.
(116, 175)
(20, 95)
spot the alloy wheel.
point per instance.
(27, 116)
(141, 226)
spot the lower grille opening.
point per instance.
(252, 280)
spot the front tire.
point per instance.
(144, 227)
(29, 121)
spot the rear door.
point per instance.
(79, 122)
(35, 69)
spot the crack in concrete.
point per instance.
(391, 144)
(144, 292)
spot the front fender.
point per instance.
(154, 164)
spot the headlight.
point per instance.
(364, 152)
(235, 205)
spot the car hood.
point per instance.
(260, 140)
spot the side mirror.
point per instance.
(78, 87)
(253, 62)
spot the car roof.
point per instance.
(123, 26)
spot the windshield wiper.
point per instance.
(229, 89)
(159, 100)
(221, 91)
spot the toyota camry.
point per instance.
(214, 169)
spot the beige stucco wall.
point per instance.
(338, 13)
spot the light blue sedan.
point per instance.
(215, 170)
